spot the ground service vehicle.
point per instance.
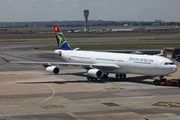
(172, 82)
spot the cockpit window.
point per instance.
(167, 63)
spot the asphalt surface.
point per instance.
(28, 92)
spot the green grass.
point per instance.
(117, 46)
(71, 39)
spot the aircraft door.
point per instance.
(129, 68)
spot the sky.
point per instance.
(70, 10)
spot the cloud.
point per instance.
(76, 0)
(95, 4)
(34, 0)
(104, 2)
(155, 5)
(58, 0)
(73, 5)
(10, 2)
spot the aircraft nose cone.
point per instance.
(175, 68)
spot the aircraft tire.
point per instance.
(88, 77)
(178, 83)
(124, 75)
(117, 76)
(174, 84)
(120, 76)
(156, 82)
(105, 76)
(92, 78)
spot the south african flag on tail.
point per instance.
(61, 41)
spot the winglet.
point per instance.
(5, 59)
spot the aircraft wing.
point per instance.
(84, 65)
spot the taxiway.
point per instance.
(28, 92)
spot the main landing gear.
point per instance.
(105, 76)
(120, 76)
(161, 79)
(91, 78)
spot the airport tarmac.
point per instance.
(28, 92)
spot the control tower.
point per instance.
(86, 14)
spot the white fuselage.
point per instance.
(151, 65)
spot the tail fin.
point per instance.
(61, 41)
(5, 59)
(161, 53)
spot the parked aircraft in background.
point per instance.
(100, 64)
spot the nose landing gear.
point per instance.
(157, 82)
(161, 77)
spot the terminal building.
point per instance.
(171, 53)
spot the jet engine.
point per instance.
(52, 69)
(94, 73)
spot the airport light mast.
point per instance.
(86, 14)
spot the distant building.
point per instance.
(177, 27)
(172, 52)
(119, 30)
(158, 21)
(126, 25)
(155, 23)
(122, 30)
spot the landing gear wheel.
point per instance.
(117, 75)
(105, 76)
(92, 78)
(156, 82)
(88, 77)
(174, 84)
(120, 75)
(124, 75)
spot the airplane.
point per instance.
(100, 64)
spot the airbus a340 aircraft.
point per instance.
(100, 64)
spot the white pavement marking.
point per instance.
(8, 116)
(50, 96)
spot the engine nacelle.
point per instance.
(52, 69)
(94, 73)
